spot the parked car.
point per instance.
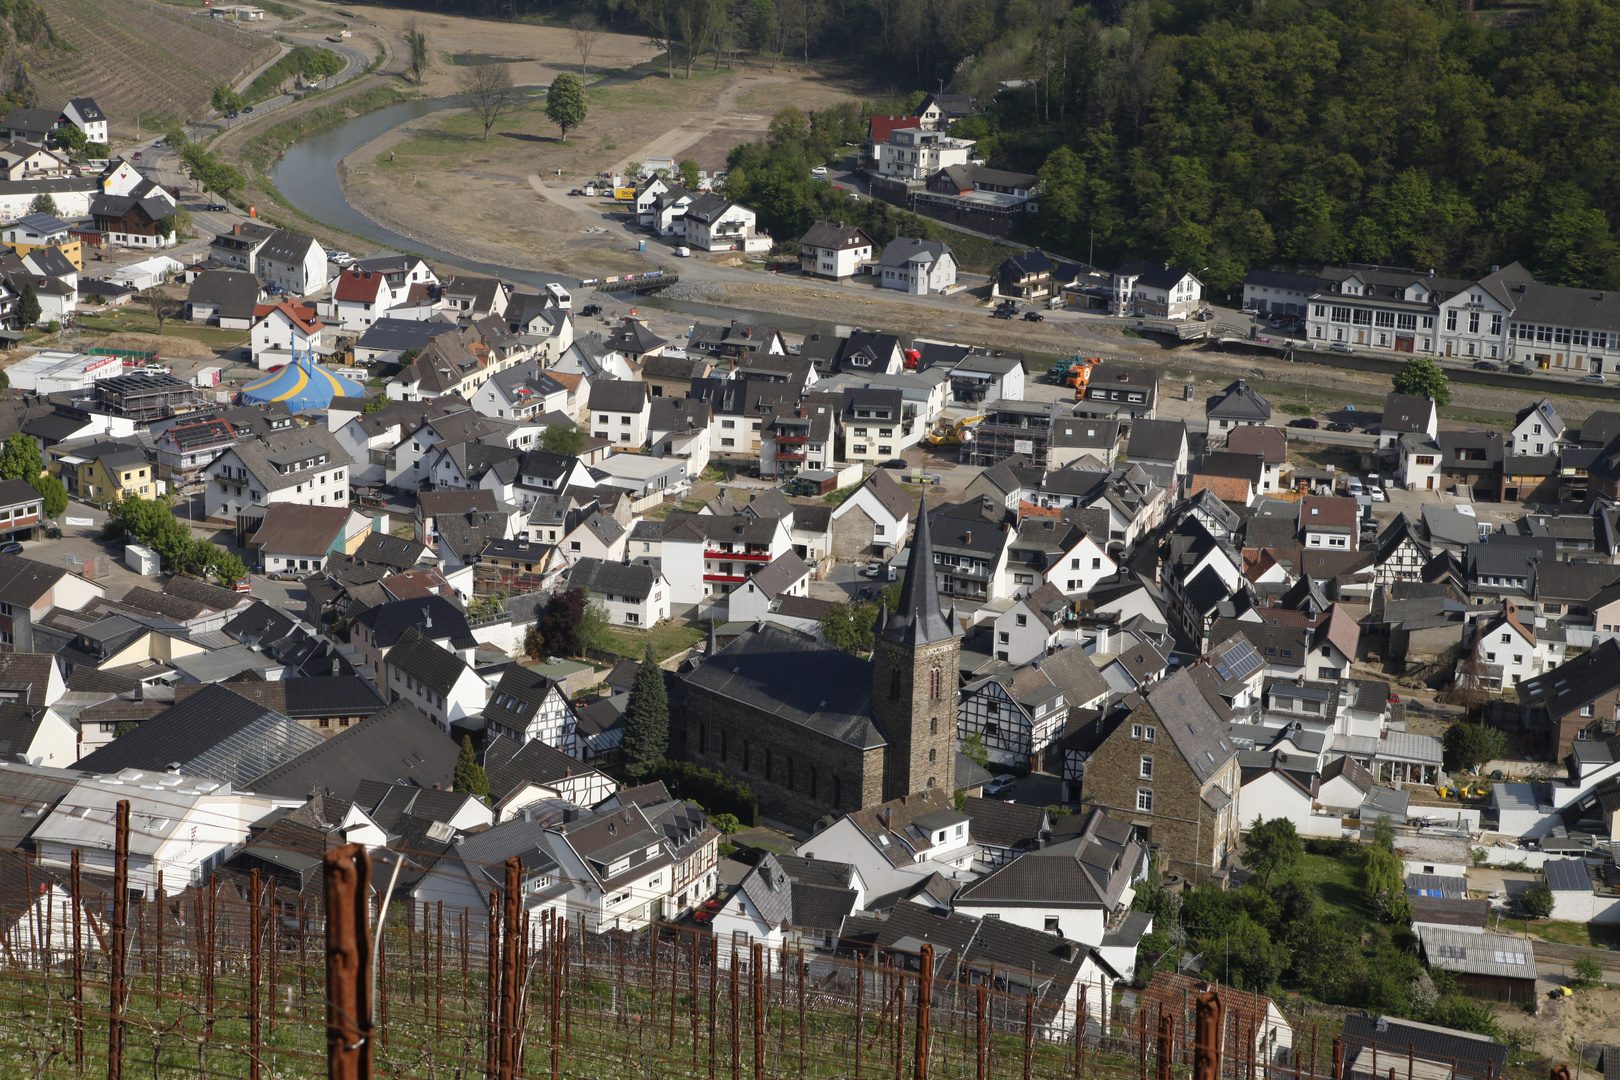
(1003, 313)
(1001, 783)
(1518, 369)
(1304, 422)
(1034, 316)
(1486, 365)
(1596, 377)
(577, 191)
(247, 108)
(1353, 485)
(1339, 346)
(895, 463)
(873, 568)
(591, 309)
(1340, 427)
(1377, 494)
(819, 170)
(136, 155)
(217, 208)
(1374, 429)
(13, 548)
(708, 910)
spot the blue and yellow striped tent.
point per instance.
(303, 385)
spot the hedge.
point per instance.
(710, 790)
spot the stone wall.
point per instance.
(800, 775)
(852, 535)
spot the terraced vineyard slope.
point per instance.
(134, 56)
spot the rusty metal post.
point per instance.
(714, 976)
(507, 1058)
(438, 978)
(1208, 1016)
(692, 993)
(1029, 1031)
(925, 1004)
(1559, 1072)
(255, 973)
(120, 943)
(210, 939)
(756, 970)
(347, 872)
(736, 1052)
(303, 960)
(1167, 1038)
(980, 1049)
(652, 997)
(800, 968)
(674, 988)
(1338, 1057)
(492, 993)
(158, 974)
(860, 995)
(78, 961)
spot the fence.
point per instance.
(229, 979)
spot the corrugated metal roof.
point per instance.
(1478, 954)
(1567, 875)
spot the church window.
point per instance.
(931, 756)
(813, 778)
(933, 726)
(894, 684)
(767, 763)
(746, 755)
(838, 791)
(930, 781)
(725, 745)
(703, 738)
(933, 684)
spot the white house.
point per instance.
(898, 844)
(84, 114)
(787, 575)
(916, 154)
(711, 555)
(296, 465)
(619, 412)
(1538, 430)
(834, 250)
(283, 330)
(632, 594)
(1509, 651)
(433, 678)
(715, 223)
(917, 266)
(184, 827)
(1156, 290)
(874, 520)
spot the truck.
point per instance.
(955, 435)
(1075, 371)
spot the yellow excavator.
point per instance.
(953, 436)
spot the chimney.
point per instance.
(969, 536)
(427, 620)
(336, 666)
(888, 816)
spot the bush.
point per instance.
(1588, 969)
(710, 790)
(1538, 900)
(1334, 847)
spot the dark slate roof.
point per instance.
(1005, 824)
(1449, 911)
(1476, 1058)
(1192, 724)
(509, 765)
(798, 679)
(234, 292)
(917, 619)
(399, 745)
(216, 733)
(519, 696)
(23, 581)
(830, 875)
(27, 672)
(1155, 440)
(618, 396)
(432, 665)
(401, 334)
(394, 551)
(826, 234)
(438, 618)
(1239, 401)
(1575, 682)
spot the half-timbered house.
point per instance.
(1017, 716)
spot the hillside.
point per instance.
(134, 56)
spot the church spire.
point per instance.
(917, 619)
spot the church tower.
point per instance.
(914, 676)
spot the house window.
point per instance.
(894, 684)
(1146, 770)
(933, 684)
(1144, 800)
(1147, 734)
(1586, 710)
(1052, 927)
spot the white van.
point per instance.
(1352, 485)
(559, 295)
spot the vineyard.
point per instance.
(240, 977)
(141, 59)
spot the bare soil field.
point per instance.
(417, 178)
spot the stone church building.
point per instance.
(817, 732)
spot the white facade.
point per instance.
(916, 154)
(232, 488)
(277, 336)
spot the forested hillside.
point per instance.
(1236, 133)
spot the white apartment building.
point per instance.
(916, 154)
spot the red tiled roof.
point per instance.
(1334, 510)
(1269, 442)
(881, 126)
(302, 315)
(358, 285)
(1226, 488)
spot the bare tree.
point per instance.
(416, 42)
(489, 92)
(163, 306)
(587, 32)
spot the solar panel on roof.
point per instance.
(1239, 661)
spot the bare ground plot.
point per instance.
(440, 181)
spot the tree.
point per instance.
(646, 720)
(688, 168)
(416, 65)
(162, 305)
(587, 32)
(228, 568)
(70, 138)
(1588, 969)
(1383, 884)
(595, 628)
(52, 493)
(974, 750)
(488, 91)
(1537, 900)
(849, 626)
(565, 102)
(28, 306)
(564, 439)
(42, 204)
(1467, 744)
(1272, 846)
(176, 138)
(225, 99)
(377, 404)
(1422, 377)
(20, 458)
(559, 626)
(470, 777)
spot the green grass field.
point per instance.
(1338, 880)
(135, 322)
(667, 639)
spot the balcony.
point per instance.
(785, 455)
(733, 578)
(747, 556)
(793, 438)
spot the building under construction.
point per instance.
(1013, 427)
(144, 398)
